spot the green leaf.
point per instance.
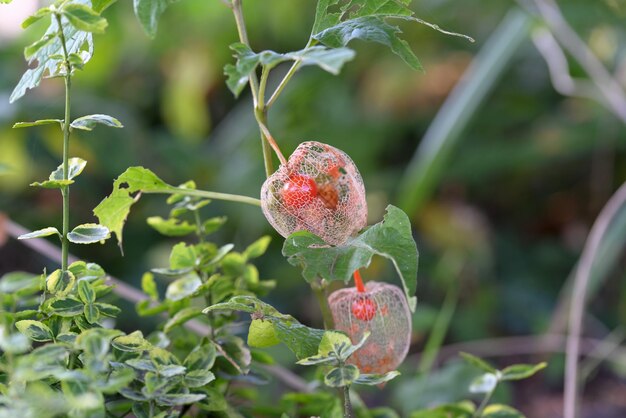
(342, 376)
(100, 5)
(332, 342)
(48, 61)
(86, 292)
(114, 209)
(60, 283)
(149, 287)
(19, 281)
(92, 313)
(376, 379)
(84, 18)
(148, 12)
(88, 234)
(331, 60)
(300, 339)
(67, 307)
(179, 399)
(484, 383)
(257, 248)
(13, 343)
(38, 123)
(45, 232)
(87, 123)
(197, 378)
(477, 362)
(183, 256)
(86, 271)
(29, 51)
(183, 287)
(463, 409)
(202, 357)
(213, 224)
(521, 371)
(131, 343)
(52, 184)
(35, 330)
(392, 238)
(117, 380)
(501, 411)
(370, 29)
(75, 166)
(261, 334)
(43, 12)
(107, 309)
(181, 317)
(171, 227)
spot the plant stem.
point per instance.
(358, 282)
(261, 117)
(243, 38)
(292, 70)
(199, 233)
(320, 293)
(347, 404)
(210, 195)
(65, 190)
(483, 404)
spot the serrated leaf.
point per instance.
(181, 317)
(66, 307)
(60, 283)
(48, 61)
(392, 238)
(477, 362)
(183, 256)
(342, 376)
(370, 29)
(183, 287)
(149, 287)
(89, 122)
(114, 209)
(484, 383)
(257, 248)
(262, 334)
(171, 227)
(376, 379)
(45, 232)
(38, 123)
(35, 330)
(148, 13)
(84, 18)
(88, 234)
(521, 371)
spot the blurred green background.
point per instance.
(498, 236)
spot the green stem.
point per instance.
(65, 191)
(261, 117)
(320, 293)
(243, 38)
(199, 233)
(347, 404)
(484, 403)
(210, 195)
(292, 70)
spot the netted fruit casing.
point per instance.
(389, 327)
(320, 191)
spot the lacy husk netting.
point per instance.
(320, 191)
(389, 324)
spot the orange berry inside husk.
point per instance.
(364, 308)
(298, 191)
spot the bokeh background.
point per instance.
(500, 215)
